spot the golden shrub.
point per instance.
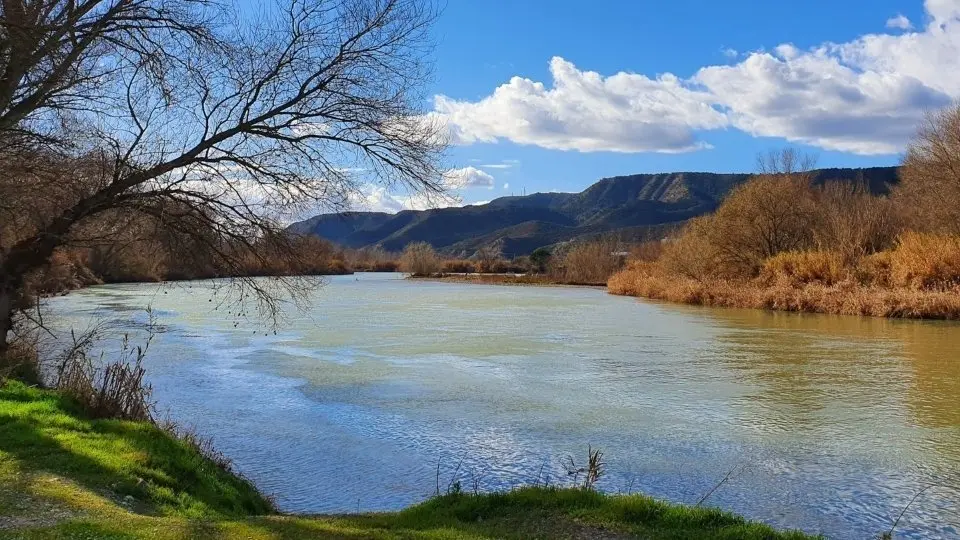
(420, 259)
(926, 261)
(798, 267)
(590, 263)
(458, 266)
(874, 269)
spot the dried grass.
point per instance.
(845, 298)
(926, 261)
(114, 390)
(801, 267)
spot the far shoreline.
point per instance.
(513, 280)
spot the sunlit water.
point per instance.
(829, 424)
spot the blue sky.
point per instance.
(552, 95)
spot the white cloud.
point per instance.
(497, 166)
(942, 10)
(815, 99)
(506, 185)
(585, 111)
(864, 96)
(372, 198)
(377, 198)
(730, 52)
(468, 177)
(900, 22)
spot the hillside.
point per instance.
(633, 207)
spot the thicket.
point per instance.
(782, 241)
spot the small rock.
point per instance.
(128, 499)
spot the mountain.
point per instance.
(633, 207)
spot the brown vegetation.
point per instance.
(780, 242)
(372, 259)
(576, 263)
(587, 263)
(846, 298)
(419, 259)
(502, 279)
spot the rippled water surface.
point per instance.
(829, 424)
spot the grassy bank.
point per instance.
(844, 298)
(65, 476)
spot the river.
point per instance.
(830, 424)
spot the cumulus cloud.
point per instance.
(900, 22)
(814, 98)
(942, 10)
(585, 111)
(506, 185)
(864, 96)
(468, 177)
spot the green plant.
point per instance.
(540, 258)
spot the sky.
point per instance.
(542, 95)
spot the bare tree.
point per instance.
(772, 213)
(929, 188)
(212, 126)
(420, 259)
(854, 222)
(488, 256)
(788, 162)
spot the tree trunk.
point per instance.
(6, 317)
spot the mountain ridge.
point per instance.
(634, 207)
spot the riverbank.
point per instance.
(508, 279)
(845, 298)
(64, 475)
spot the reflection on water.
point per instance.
(831, 424)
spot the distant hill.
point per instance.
(633, 207)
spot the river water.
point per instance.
(825, 423)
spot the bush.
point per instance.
(692, 254)
(20, 362)
(115, 390)
(875, 269)
(540, 259)
(373, 259)
(384, 266)
(853, 222)
(802, 267)
(519, 265)
(590, 263)
(929, 188)
(420, 259)
(458, 266)
(759, 219)
(489, 259)
(926, 261)
(648, 251)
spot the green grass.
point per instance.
(65, 476)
